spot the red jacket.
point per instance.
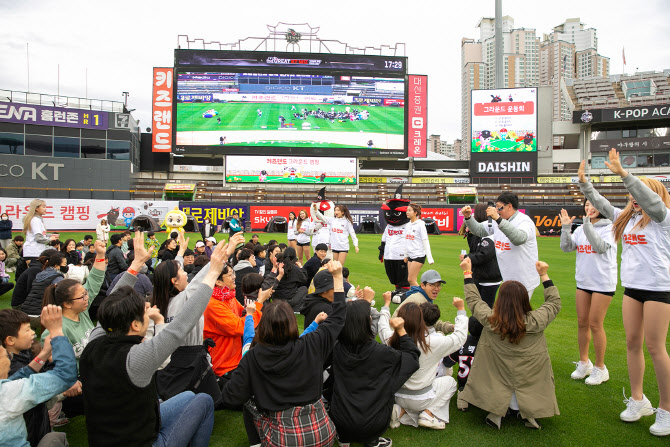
(224, 323)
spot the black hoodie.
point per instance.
(290, 375)
(366, 379)
(312, 306)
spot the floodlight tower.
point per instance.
(499, 47)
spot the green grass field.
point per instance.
(589, 415)
(243, 116)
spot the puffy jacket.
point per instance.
(6, 229)
(33, 303)
(25, 283)
(117, 263)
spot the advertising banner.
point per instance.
(77, 214)
(13, 112)
(191, 97)
(503, 165)
(504, 120)
(548, 219)
(631, 144)
(443, 216)
(418, 116)
(286, 169)
(655, 112)
(261, 215)
(440, 180)
(161, 123)
(215, 212)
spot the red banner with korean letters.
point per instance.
(443, 216)
(161, 122)
(418, 116)
(505, 108)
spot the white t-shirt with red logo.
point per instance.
(340, 230)
(416, 233)
(517, 262)
(594, 271)
(290, 233)
(645, 258)
(303, 238)
(396, 242)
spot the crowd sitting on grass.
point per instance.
(146, 347)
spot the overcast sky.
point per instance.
(120, 41)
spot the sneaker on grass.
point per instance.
(635, 409)
(662, 425)
(428, 421)
(583, 369)
(598, 376)
(380, 442)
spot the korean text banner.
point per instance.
(418, 116)
(52, 116)
(79, 214)
(504, 120)
(217, 213)
(444, 217)
(161, 123)
(287, 169)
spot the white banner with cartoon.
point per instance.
(84, 215)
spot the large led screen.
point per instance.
(289, 169)
(253, 103)
(504, 120)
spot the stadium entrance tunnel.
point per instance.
(144, 223)
(369, 225)
(431, 226)
(277, 224)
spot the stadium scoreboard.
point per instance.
(271, 103)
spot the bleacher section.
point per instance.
(613, 92)
(373, 193)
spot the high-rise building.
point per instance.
(570, 51)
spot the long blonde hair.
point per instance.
(31, 213)
(620, 223)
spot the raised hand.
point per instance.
(319, 318)
(458, 303)
(142, 255)
(387, 298)
(264, 295)
(581, 172)
(234, 241)
(466, 265)
(183, 243)
(466, 211)
(541, 267)
(492, 212)
(154, 314)
(615, 163)
(52, 319)
(566, 220)
(368, 294)
(335, 268)
(100, 249)
(397, 323)
(250, 305)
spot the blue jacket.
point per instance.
(6, 229)
(26, 389)
(418, 289)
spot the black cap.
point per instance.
(323, 281)
(321, 246)
(321, 195)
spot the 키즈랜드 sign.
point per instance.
(418, 116)
(161, 122)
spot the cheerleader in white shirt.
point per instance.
(341, 227)
(302, 236)
(643, 226)
(595, 274)
(291, 230)
(418, 246)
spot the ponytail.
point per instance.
(54, 259)
(57, 294)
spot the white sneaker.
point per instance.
(635, 409)
(582, 370)
(662, 425)
(598, 376)
(395, 416)
(425, 420)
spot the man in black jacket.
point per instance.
(117, 262)
(313, 264)
(25, 282)
(485, 270)
(322, 298)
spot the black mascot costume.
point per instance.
(392, 249)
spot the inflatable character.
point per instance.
(128, 215)
(484, 140)
(174, 221)
(392, 250)
(319, 228)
